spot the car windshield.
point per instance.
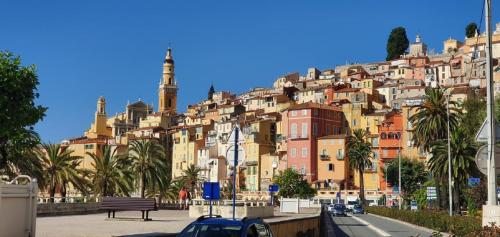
(211, 231)
(357, 206)
(339, 206)
(352, 202)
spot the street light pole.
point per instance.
(399, 173)
(449, 156)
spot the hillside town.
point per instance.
(302, 121)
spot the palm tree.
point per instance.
(430, 119)
(171, 192)
(61, 168)
(463, 151)
(192, 177)
(359, 153)
(148, 163)
(110, 174)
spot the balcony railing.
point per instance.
(324, 157)
(339, 156)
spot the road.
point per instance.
(370, 225)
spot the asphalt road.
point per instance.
(369, 225)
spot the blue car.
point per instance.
(215, 226)
(358, 209)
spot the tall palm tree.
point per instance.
(359, 153)
(61, 168)
(192, 177)
(148, 163)
(430, 120)
(110, 175)
(463, 151)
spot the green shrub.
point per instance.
(439, 221)
(487, 231)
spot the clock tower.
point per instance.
(167, 93)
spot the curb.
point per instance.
(411, 225)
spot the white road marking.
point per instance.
(379, 231)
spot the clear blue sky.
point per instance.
(85, 49)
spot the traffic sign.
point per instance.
(395, 189)
(472, 182)
(211, 191)
(231, 139)
(230, 155)
(482, 135)
(273, 188)
(482, 159)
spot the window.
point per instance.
(304, 112)
(385, 152)
(375, 155)
(315, 112)
(88, 146)
(294, 113)
(303, 170)
(354, 122)
(330, 167)
(294, 167)
(293, 132)
(304, 130)
(315, 129)
(293, 152)
(304, 152)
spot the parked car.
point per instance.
(339, 210)
(358, 209)
(373, 204)
(215, 226)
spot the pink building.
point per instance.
(304, 124)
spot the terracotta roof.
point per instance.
(348, 90)
(311, 105)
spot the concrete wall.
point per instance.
(309, 226)
(18, 208)
(57, 209)
(227, 211)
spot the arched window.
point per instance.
(169, 102)
(391, 135)
(383, 135)
(398, 135)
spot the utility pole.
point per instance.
(492, 196)
(399, 159)
(450, 188)
(491, 211)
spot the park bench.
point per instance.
(112, 204)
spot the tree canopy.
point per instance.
(470, 30)
(292, 184)
(397, 44)
(413, 173)
(19, 113)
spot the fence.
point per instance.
(18, 205)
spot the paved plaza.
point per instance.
(128, 223)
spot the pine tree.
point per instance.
(397, 44)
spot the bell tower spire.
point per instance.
(168, 87)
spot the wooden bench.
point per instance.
(112, 204)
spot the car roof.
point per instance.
(226, 221)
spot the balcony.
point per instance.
(339, 156)
(298, 137)
(324, 157)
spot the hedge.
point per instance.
(439, 221)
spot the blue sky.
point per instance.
(85, 49)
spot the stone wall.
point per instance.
(300, 227)
(58, 209)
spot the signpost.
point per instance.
(472, 182)
(235, 139)
(431, 193)
(272, 189)
(414, 206)
(211, 191)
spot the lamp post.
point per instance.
(450, 183)
(399, 167)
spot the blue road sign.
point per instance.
(473, 182)
(395, 189)
(211, 191)
(273, 188)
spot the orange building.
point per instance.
(333, 165)
(390, 143)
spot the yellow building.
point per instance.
(333, 164)
(259, 140)
(99, 128)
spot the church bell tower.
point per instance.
(167, 93)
